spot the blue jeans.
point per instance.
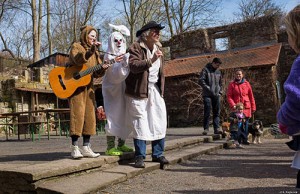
(158, 147)
(236, 135)
(213, 102)
(242, 134)
(246, 132)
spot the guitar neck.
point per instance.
(95, 68)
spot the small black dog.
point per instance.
(256, 130)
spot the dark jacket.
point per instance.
(137, 80)
(211, 81)
(234, 126)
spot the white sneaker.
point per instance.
(75, 152)
(239, 146)
(86, 151)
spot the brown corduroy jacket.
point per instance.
(137, 80)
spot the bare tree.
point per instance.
(5, 46)
(5, 7)
(185, 15)
(50, 47)
(75, 21)
(252, 9)
(139, 12)
(89, 11)
(192, 96)
(67, 17)
(16, 17)
(37, 36)
(36, 15)
(38, 46)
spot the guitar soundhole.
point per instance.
(61, 82)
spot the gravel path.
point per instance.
(257, 169)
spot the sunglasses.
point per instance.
(157, 31)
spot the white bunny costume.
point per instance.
(113, 85)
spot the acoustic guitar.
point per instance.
(65, 80)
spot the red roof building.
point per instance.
(262, 53)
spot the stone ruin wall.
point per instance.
(15, 74)
(260, 31)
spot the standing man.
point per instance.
(211, 83)
(146, 109)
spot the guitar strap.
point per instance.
(67, 65)
(98, 57)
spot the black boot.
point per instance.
(139, 162)
(161, 160)
(298, 180)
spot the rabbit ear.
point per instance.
(121, 28)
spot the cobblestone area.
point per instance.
(263, 168)
(257, 169)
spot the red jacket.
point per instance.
(241, 92)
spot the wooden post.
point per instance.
(22, 101)
(99, 38)
(37, 101)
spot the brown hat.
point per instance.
(149, 25)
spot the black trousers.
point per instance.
(298, 180)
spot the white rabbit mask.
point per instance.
(116, 45)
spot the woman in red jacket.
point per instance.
(239, 90)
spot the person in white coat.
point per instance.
(113, 88)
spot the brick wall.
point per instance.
(184, 102)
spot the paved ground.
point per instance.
(24, 151)
(258, 169)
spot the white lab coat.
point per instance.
(147, 117)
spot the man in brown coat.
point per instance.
(82, 102)
(146, 109)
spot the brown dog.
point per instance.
(226, 129)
